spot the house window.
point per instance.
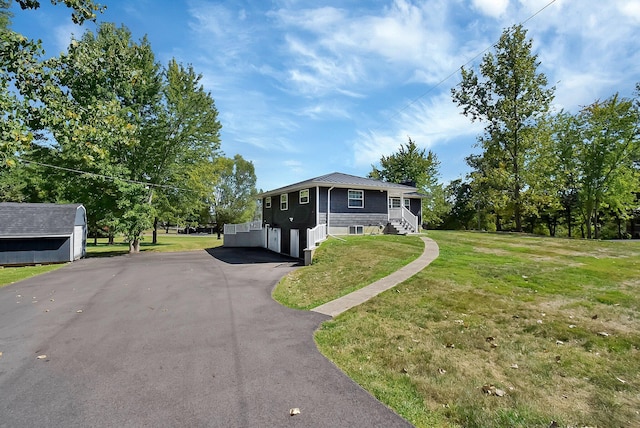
(394, 202)
(267, 202)
(304, 196)
(356, 199)
(356, 230)
(407, 203)
(284, 202)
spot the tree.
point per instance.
(235, 193)
(103, 105)
(459, 196)
(607, 150)
(187, 140)
(510, 97)
(417, 167)
(22, 75)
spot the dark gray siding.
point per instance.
(375, 201)
(353, 219)
(298, 216)
(35, 250)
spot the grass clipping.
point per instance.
(502, 330)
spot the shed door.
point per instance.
(273, 239)
(78, 242)
(295, 243)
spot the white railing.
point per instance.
(316, 235)
(232, 229)
(410, 218)
(405, 216)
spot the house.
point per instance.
(42, 233)
(334, 204)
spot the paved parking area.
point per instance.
(169, 339)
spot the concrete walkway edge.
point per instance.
(341, 304)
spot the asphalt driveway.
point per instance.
(169, 340)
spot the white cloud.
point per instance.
(492, 8)
(63, 34)
(429, 123)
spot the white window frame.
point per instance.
(349, 198)
(356, 230)
(303, 199)
(284, 202)
(407, 203)
(393, 199)
(267, 202)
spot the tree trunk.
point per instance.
(134, 245)
(155, 231)
(498, 223)
(569, 220)
(111, 238)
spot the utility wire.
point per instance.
(431, 89)
(106, 177)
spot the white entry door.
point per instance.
(273, 241)
(295, 243)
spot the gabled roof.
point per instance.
(340, 180)
(22, 220)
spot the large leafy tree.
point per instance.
(606, 152)
(185, 147)
(418, 167)
(234, 195)
(22, 77)
(510, 96)
(102, 107)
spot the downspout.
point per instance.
(317, 206)
(329, 207)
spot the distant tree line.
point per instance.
(105, 125)
(538, 171)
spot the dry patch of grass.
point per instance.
(554, 324)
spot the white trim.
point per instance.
(284, 199)
(300, 196)
(267, 202)
(349, 198)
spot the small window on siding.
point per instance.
(304, 196)
(394, 202)
(356, 230)
(356, 199)
(267, 202)
(407, 203)
(284, 202)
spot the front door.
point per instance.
(295, 243)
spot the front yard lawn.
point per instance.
(500, 330)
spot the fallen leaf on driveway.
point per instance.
(294, 411)
(41, 357)
(79, 311)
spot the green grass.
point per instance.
(9, 275)
(343, 265)
(166, 243)
(554, 323)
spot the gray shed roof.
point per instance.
(23, 220)
(338, 179)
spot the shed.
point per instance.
(42, 233)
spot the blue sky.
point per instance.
(304, 88)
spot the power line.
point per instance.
(103, 176)
(431, 89)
